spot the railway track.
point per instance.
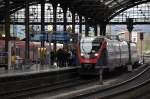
(58, 88)
(23, 94)
(92, 89)
(129, 89)
(23, 85)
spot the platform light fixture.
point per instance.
(3, 35)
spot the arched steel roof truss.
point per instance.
(99, 10)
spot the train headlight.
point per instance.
(96, 54)
(82, 54)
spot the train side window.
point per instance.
(111, 46)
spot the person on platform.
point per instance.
(52, 57)
(60, 57)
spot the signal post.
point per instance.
(141, 38)
(130, 28)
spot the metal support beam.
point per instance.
(65, 17)
(80, 24)
(42, 20)
(103, 29)
(39, 23)
(73, 21)
(86, 27)
(54, 15)
(95, 30)
(54, 26)
(7, 29)
(27, 31)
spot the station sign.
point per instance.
(54, 36)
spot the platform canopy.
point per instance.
(100, 10)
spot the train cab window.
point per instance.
(90, 45)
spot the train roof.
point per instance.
(91, 38)
(108, 37)
(112, 37)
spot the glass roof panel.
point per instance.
(140, 13)
(108, 2)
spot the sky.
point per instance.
(138, 28)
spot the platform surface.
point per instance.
(34, 69)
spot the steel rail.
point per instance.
(118, 92)
(97, 89)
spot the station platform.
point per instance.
(33, 69)
(15, 82)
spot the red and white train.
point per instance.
(109, 52)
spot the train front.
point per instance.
(89, 51)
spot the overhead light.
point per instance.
(3, 35)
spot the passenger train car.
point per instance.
(106, 52)
(35, 50)
(18, 47)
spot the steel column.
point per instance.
(65, 17)
(54, 16)
(54, 26)
(86, 27)
(95, 30)
(42, 21)
(7, 28)
(103, 29)
(27, 31)
(80, 24)
(73, 21)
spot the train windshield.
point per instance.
(90, 45)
